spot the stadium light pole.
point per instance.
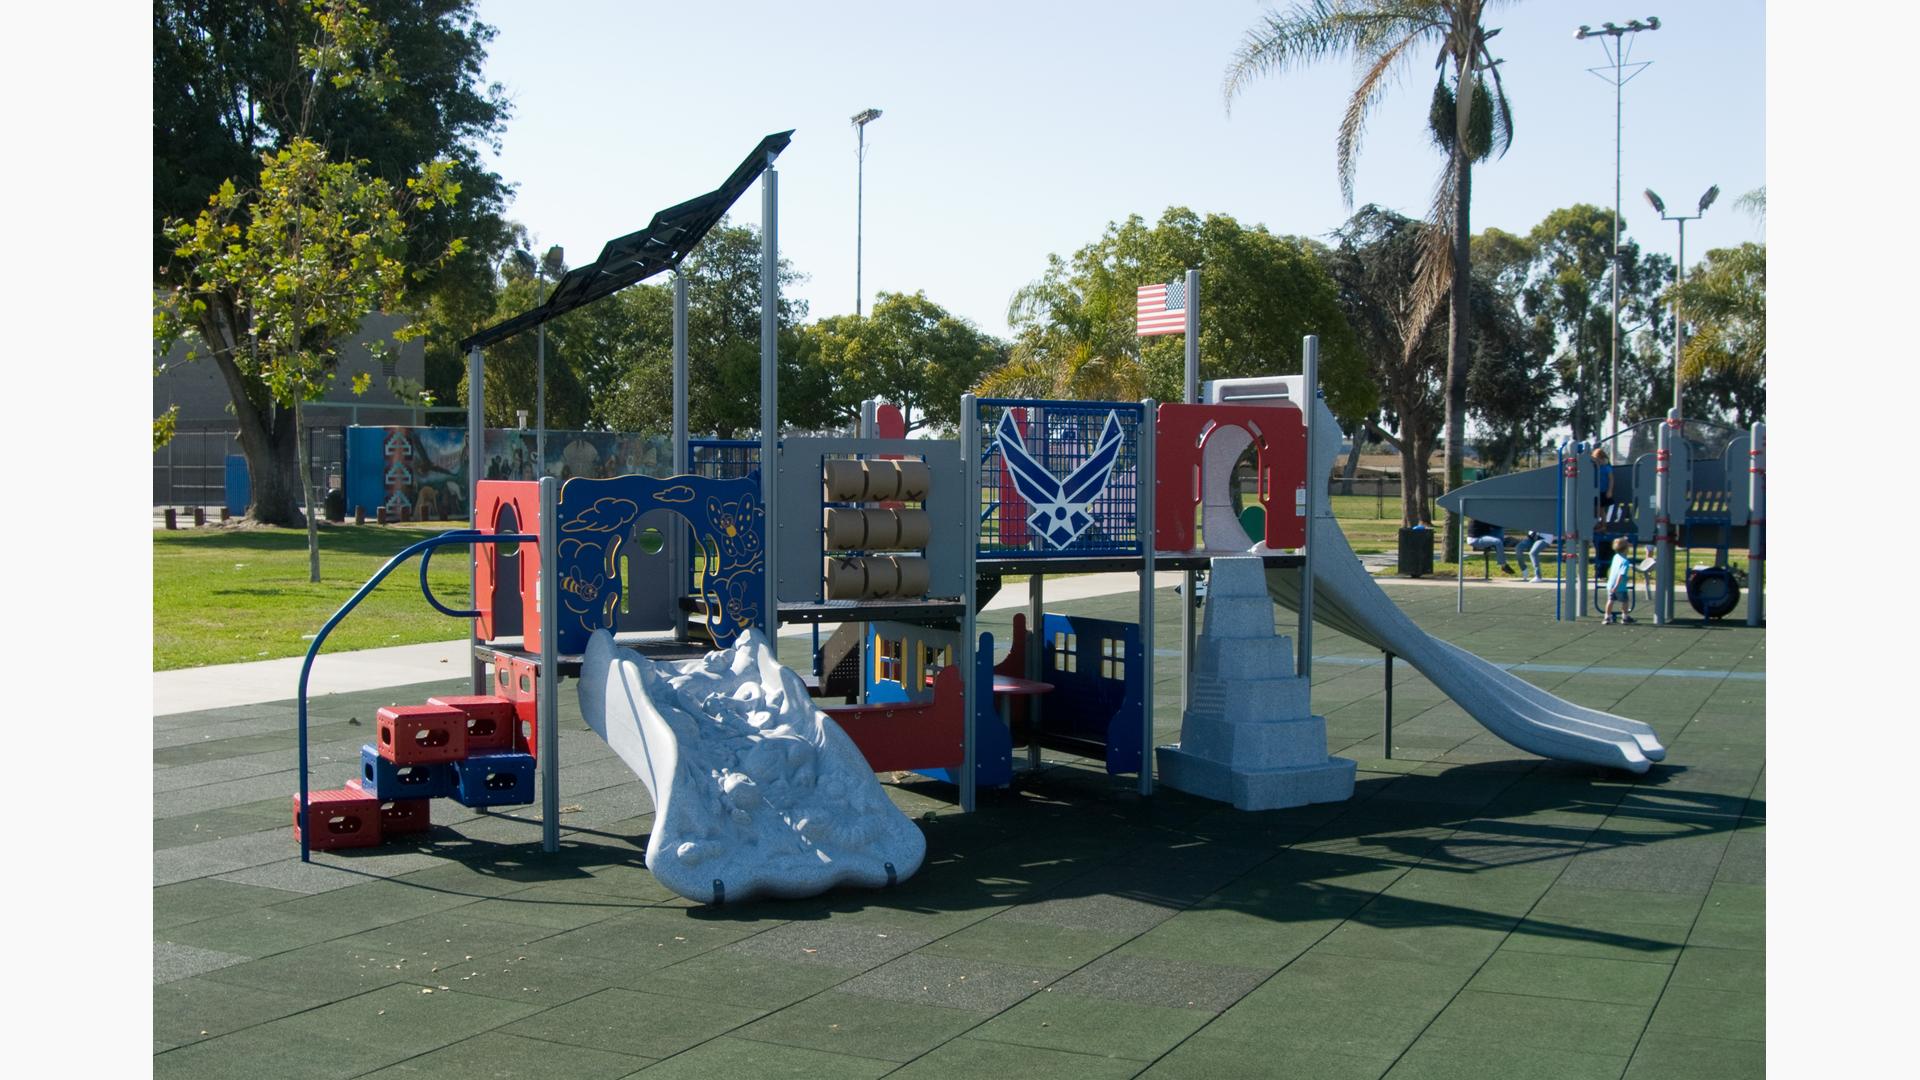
(1619, 73)
(1680, 276)
(860, 121)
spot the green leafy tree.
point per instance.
(723, 348)
(909, 351)
(1260, 295)
(1724, 299)
(288, 269)
(1569, 295)
(235, 80)
(1468, 119)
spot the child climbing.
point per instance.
(1619, 582)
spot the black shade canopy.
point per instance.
(635, 257)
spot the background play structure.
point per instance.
(898, 543)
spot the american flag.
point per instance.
(1162, 309)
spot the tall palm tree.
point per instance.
(1469, 118)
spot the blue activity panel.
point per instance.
(1061, 479)
(597, 518)
(1098, 671)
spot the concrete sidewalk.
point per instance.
(222, 685)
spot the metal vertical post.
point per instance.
(1757, 525)
(869, 410)
(1568, 606)
(680, 462)
(547, 701)
(1144, 469)
(476, 468)
(1036, 622)
(1663, 537)
(1460, 565)
(969, 494)
(1386, 727)
(1679, 328)
(1310, 405)
(1190, 582)
(770, 390)
(540, 404)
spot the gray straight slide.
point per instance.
(1346, 598)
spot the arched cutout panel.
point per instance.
(1195, 449)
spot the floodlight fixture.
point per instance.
(1618, 72)
(865, 117)
(1680, 274)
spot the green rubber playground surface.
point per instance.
(1472, 912)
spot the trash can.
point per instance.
(1416, 551)
(336, 504)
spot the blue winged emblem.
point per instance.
(1057, 508)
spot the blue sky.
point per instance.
(1012, 131)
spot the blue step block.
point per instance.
(494, 780)
(387, 782)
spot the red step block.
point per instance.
(421, 734)
(340, 818)
(490, 720)
(519, 682)
(399, 817)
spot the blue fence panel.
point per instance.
(1059, 479)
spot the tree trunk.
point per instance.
(1353, 459)
(1413, 476)
(266, 434)
(305, 456)
(1459, 324)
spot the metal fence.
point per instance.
(723, 459)
(191, 470)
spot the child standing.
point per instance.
(1618, 582)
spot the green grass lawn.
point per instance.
(226, 595)
(221, 596)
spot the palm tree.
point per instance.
(1468, 120)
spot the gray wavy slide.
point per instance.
(1346, 598)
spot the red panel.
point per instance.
(888, 423)
(1015, 665)
(524, 498)
(421, 734)
(1280, 435)
(518, 681)
(400, 816)
(897, 738)
(341, 818)
(1013, 508)
(490, 720)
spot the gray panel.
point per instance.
(1738, 489)
(1518, 502)
(1643, 485)
(1679, 477)
(801, 548)
(649, 585)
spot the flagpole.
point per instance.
(1191, 581)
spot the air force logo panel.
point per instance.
(1057, 507)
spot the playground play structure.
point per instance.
(663, 595)
(1676, 485)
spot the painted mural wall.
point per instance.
(422, 471)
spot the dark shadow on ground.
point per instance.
(1074, 838)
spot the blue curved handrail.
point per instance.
(456, 536)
